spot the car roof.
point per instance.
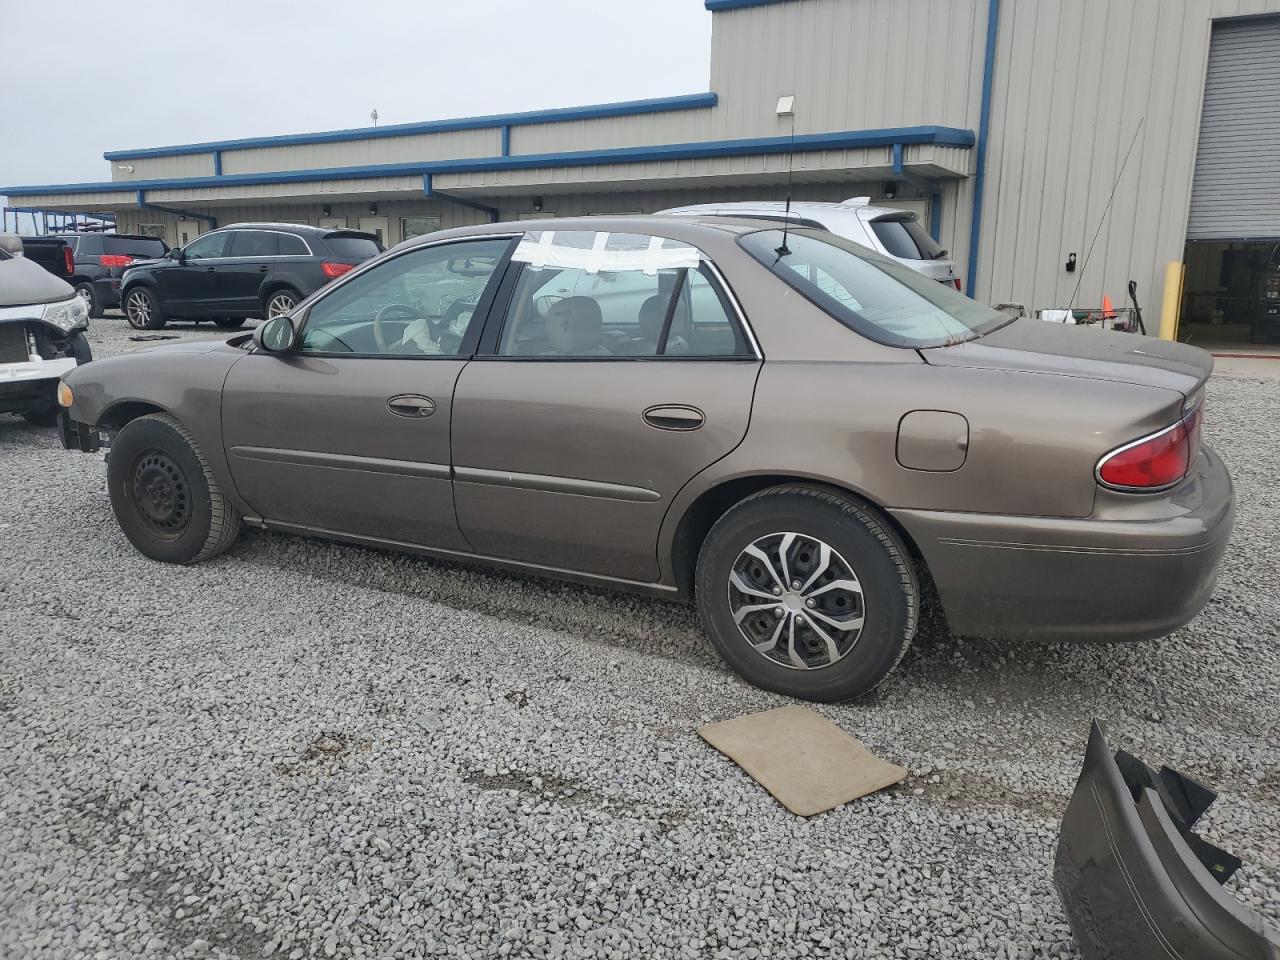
(286, 227)
(674, 227)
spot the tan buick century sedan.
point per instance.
(787, 428)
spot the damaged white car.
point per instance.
(42, 335)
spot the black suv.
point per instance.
(241, 271)
(101, 259)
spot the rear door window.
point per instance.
(352, 247)
(292, 245)
(905, 238)
(255, 243)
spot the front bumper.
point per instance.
(1135, 881)
(1139, 568)
(34, 370)
(76, 435)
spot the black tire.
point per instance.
(80, 348)
(152, 318)
(45, 415)
(91, 299)
(864, 541)
(230, 323)
(272, 296)
(164, 496)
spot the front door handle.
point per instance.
(675, 416)
(411, 405)
(263, 269)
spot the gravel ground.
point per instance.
(304, 749)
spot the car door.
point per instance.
(239, 278)
(189, 284)
(348, 433)
(572, 435)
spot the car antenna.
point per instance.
(1105, 210)
(787, 108)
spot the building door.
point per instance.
(378, 226)
(1232, 282)
(188, 230)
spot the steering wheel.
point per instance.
(407, 311)
(442, 329)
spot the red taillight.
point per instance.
(959, 285)
(1155, 461)
(332, 270)
(69, 259)
(115, 260)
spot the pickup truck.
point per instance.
(42, 334)
(53, 253)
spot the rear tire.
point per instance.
(280, 300)
(847, 588)
(142, 309)
(86, 293)
(165, 498)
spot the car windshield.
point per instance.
(870, 293)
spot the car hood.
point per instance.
(24, 281)
(1036, 346)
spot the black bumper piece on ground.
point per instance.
(1135, 881)
(77, 436)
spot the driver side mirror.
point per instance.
(276, 335)
(176, 254)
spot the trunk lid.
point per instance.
(1034, 346)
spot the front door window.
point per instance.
(420, 304)
(209, 247)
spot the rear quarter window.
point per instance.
(352, 248)
(292, 245)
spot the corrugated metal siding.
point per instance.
(80, 201)
(1073, 80)
(1236, 192)
(852, 65)
(372, 186)
(146, 168)
(682, 126)
(420, 147)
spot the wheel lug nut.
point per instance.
(777, 591)
(778, 612)
(795, 584)
(810, 604)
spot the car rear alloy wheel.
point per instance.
(142, 310)
(796, 601)
(165, 498)
(280, 302)
(86, 293)
(808, 592)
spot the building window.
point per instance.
(151, 230)
(411, 227)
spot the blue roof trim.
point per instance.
(716, 6)
(688, 101)
(845, 140)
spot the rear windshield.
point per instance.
(907, 239)
(878, 297)
(140, 249)
(352, 248)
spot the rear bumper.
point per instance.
(1130, 881)
(107, 290)
(1131, 572)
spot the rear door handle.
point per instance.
(674, 416)
(263, 269)
(411, 405)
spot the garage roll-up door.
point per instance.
(1236, 194)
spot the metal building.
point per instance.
(1058, 148)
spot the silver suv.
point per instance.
(895, 233)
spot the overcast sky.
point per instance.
(79, 78)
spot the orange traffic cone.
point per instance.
(1108, 311)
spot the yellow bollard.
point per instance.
(1172, 305)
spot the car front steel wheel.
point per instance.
(280, 302)
(796, 601)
